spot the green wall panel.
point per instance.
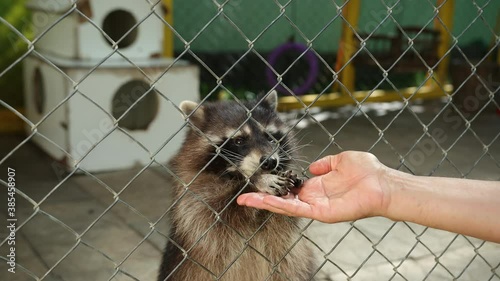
(244, 21)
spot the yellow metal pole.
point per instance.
(351, 14)
(168, 36)
(446, 16)
(336, 99)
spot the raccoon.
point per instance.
(230, 149)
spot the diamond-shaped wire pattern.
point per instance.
(75, 223)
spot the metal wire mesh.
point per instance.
(231, 49)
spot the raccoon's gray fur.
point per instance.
(212, 238)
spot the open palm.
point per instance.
(346, 187)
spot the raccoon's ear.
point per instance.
(188, 107)
(272, 99)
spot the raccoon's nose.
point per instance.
(268, 163)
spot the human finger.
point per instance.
(289, 206)
(255, 200)
(324, 165)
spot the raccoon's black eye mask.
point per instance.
(273, 137)
(239, 141)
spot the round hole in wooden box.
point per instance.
(116, 24)
(143, 113)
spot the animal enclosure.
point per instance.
(416, 83)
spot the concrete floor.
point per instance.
(79, 229)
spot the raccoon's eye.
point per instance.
(239, 141)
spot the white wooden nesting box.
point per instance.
(68, 34)
(80, 114)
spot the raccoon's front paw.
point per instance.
(274, 184)
(279, 183)
(292, 178)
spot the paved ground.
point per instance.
(82, 229)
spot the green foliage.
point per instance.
(225, 93)
(12, 47)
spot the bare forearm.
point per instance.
(467, 207)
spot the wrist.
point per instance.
(391, 181)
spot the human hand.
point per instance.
(347, 186)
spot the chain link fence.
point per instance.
(71, 221)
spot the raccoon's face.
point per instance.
(247, 141)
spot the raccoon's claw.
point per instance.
(278, 183)
(292, 178)
(281, 184)
(282, 191)
(298, 182)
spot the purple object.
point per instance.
(308, 55)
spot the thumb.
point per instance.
(324, 165)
